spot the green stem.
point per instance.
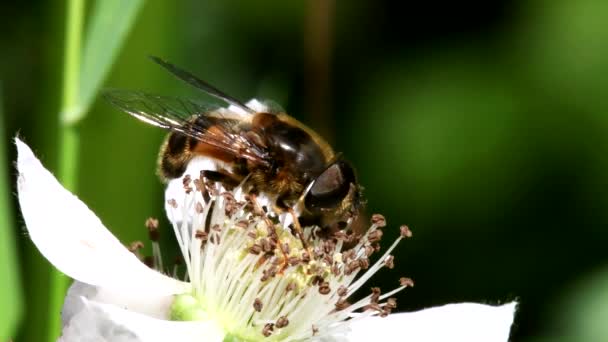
(69, 143)
(73, 51)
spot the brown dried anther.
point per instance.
(405, 231)
(266, 246)
(378, 220)
(342, 304)
(293, 261)
(374, 236)
(255, 249)
(186, 183)
(242, 224)
(202, 235)
(324, 288)
(364, 263)
(268, 329)
(375, 295)
(199, 208)
(317, 280)
(305, 257)
(389, 262)
(135, 246)
(282, 322)
(403, 281)
(391, 303)
(257, 305)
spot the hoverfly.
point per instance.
(270, 151)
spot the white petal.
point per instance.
(141, 302)
(466, 322)
(175, 187)
(104, 322)
(74, 240)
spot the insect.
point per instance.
(271, 152)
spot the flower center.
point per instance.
(259, 275)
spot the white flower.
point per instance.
(248, 276)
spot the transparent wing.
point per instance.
(200, 84)
(162, 111)
(208, 124)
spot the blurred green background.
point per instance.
(481, 125)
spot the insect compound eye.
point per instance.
(331, 187)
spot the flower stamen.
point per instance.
(261, 274)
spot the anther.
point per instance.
(266, 247)
(391, 303)
(268, 329)
(375, 295)
(324, 288)
(405, 231)
(364, 263)
(305, 257)
(173, 203)
(271, 272)
(342, 304)
(342, 291)
(374, 236)
(282, 322)
(215, 239)
(335, 269)
(198, 185)
(135, 246)
(199, 208)
(285, 248)
(406, 282)
(152, 225)
(201, 234)
(293, 261)
(378, 220)
(388, 307)
(348, 255)
(186, 183)
(257, 305)
(389, 262)
(255, 249)
(351, 267)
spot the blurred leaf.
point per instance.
(10, 296)
(564, 51)
(110, 23)
(583, 311)
(450, 132)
